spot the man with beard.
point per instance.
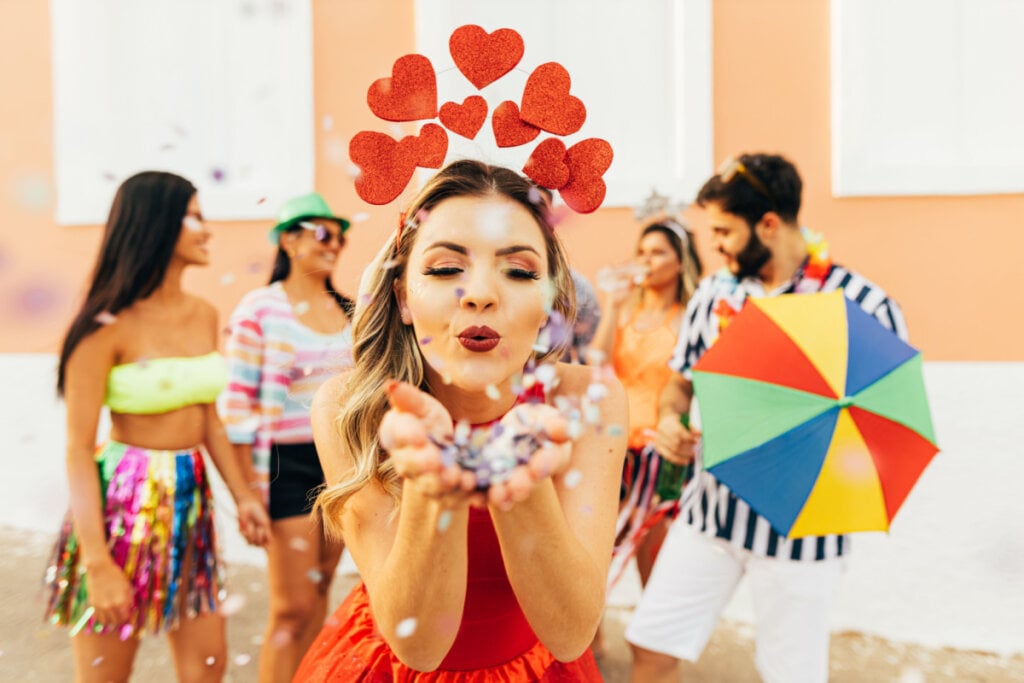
(752, 205)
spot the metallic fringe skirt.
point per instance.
(158, 515)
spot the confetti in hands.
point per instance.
(498, 464)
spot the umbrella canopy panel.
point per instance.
(815, 414)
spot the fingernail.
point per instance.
(390, 385)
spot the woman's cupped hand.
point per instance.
(417, 427)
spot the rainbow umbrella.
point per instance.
(815, 414)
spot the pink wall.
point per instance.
(948, 260)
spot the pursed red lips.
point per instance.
(479, 339)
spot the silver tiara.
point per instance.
(656, 204)
(662, 207)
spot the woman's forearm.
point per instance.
(224, 457)
(419, 591)
(559, 584)
(243, 458)
(86, 504)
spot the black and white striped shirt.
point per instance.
(709, 505)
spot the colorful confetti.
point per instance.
(444, 521)
(545, 374)
(406, 627)
(491, 452)
(232, 604)
(573, 478)
(34, 191)
(37, 300)
(596, 392)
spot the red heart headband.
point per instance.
(410, 94)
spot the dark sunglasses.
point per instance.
(322, 234)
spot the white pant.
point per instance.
(693, 580)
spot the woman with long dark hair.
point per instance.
(285, 340)
(137, 553)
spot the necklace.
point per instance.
(809, 277)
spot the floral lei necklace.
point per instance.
(810, 277)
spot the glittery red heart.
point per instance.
(464, 119)
(410, 94)
(547, 103)
(509, 129)
(587, 160)
(546, 165)
(385, 165)
(484, 57)
(429, 147)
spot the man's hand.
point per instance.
(674, 442)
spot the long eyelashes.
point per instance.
(515, 273)
(521, 274)
(442, 272)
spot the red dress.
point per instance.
(494, 643)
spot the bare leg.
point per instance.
(103, 657)
(300, 566)
(597, 644)
(647, 552)
(654, 667)
(200, 649)
(330, 555)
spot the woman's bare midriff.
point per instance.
(177, 430)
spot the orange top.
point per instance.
(641, 360)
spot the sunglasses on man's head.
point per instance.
(731, 168)
(322, 234)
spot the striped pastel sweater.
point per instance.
(275, 365)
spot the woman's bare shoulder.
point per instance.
(598, 384)
(574, 379)
(331, 392)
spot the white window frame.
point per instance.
(624, 80)
(220, 91)
(926, 97)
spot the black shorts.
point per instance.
(295, 477)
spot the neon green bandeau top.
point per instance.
(160, 385)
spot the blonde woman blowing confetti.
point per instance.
(473, 481)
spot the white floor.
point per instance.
(950, 573)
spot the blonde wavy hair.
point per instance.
(385, 348)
